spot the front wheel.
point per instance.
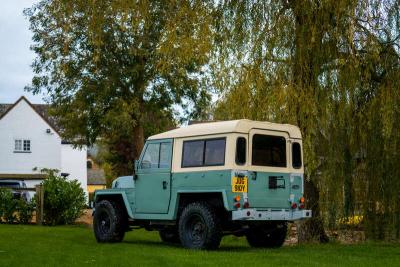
(267, 236)
(109, 221)
(199, 227)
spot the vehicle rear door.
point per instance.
(269, 184)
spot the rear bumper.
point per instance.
(270, 215)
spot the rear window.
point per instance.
(296, 155)
(269, 150)
(9, 185)
(199, 153)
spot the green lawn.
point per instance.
(76, 246)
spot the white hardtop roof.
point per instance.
(236, 126)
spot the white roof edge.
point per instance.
(234, 126)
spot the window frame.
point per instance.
(159, 143)
(23, 143)
(270, 134)
(204, 140)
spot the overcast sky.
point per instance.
(15, 55)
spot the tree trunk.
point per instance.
(312, 229)
(305, 69)
(138, 140)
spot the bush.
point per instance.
(25, 210)
(64, 200)
(7, 205)
(14, 210)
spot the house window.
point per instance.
(22, 145)
(200, 153)
(18, 145)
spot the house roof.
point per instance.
(41, 109)
(235, 126)
(96, 177)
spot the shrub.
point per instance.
(7, 206)
(14, 210)
(64, 200)
(25, 210)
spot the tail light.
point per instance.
(237, 201)
(246, 205)
(301, 200)
(294, 205)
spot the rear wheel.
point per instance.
(109, 221)
(268, 236)
(199, 227)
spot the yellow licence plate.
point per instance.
(239, 184)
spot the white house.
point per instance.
(30, 139)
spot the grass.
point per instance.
(76, 246)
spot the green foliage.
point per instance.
(333, 69)
(64, 200)
(7, 205)
(25, 210)
(14, 210)
(116, 69)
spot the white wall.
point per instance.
(73, 161)
(22, 122)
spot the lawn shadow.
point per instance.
(152, 243)
(160, 244)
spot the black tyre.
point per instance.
(169, 235)
(109, 221)
(267, 236)
(199, 227)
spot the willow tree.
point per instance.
(116, 69)
(332, 68)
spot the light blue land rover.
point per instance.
(197, 183)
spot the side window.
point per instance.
(269, 150)
(240, 151)
(151, 157)
(215, 152)
(200, 153)
(296, 155)
(193, 152)
(165, 160)
(156, 156)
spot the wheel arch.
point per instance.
(115, 196)
(217, 199)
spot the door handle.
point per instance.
(164, 184)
